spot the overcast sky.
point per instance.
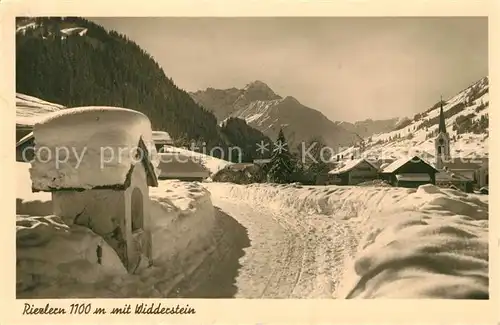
(348, 68)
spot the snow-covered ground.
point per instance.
(359, 242)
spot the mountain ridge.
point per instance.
(267, 111)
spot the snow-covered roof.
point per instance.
(97, 148)
(30, 109)
(25, 139)
(460, 164)
(446, 176)
(402, 161)
(348, 165)
(239, 166)
(161, 137)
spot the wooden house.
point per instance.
(161, 139)
(183, 167)
(352, 172)
(409, 172)
(448, 179)
(475, 170)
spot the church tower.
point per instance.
(442, 141)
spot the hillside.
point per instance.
(467, 123)
(75, 62)
(267, 111)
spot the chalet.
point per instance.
(175, 165)
(352, 172)
(475, 169)
(240, 173)
(449, 179)
(161, 139)
(409, 172)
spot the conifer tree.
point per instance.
(282, 163)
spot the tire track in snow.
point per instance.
(290, 255)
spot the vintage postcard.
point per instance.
(249, 162)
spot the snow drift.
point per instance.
(409, 243)
(57, 260)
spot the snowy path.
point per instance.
(286, 256)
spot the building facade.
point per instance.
(409, 172)
(353, 172)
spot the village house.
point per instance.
(352, 172)
(409, 172)
(240, 173)
(112, 200)
(161, 139)
(174, 165)
(446, 178)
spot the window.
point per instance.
(439, 150)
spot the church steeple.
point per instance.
(442, 124)
(442, 141)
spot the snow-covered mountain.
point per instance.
(65, 27)
(369, 127)
(467, 123)
(267, 111)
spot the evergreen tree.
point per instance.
(282, 164)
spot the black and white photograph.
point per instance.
(251, 158)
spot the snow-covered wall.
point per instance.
(409, 243)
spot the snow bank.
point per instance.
(425, 243)
(37, 204)
(56, 260)
(87, 147)
(183, 225)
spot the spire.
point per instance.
(442, 124)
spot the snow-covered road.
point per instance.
(285, 256)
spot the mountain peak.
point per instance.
(259, 90)
(258, 84)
